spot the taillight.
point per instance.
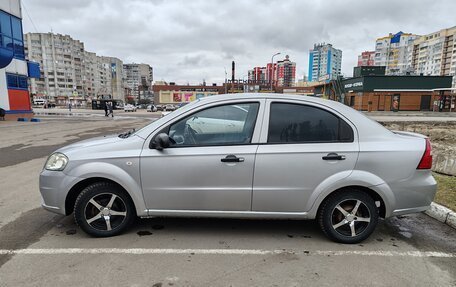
(426, 160)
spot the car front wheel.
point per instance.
(104, 209)
(348, 216)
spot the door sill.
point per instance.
(226, 214)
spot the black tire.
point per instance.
(96, 215)
(337, 221)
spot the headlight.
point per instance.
(57, 161)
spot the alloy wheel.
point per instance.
(350, 217)
(105, 212)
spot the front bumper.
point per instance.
(54, 187)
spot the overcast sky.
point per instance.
(191, 40)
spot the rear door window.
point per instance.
(296, 123)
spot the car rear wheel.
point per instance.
(348, 216)
(104, 209)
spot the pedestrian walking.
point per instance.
(70, 106)
(111, 108)
(106, 109)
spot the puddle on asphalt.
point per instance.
(144, 233)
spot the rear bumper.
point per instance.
(410, 210)
(414, 194)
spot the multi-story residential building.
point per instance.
(282, 73)
(394, 52)
(14, 69)
(115, 67)
(325, 62)
(138, 80)
(435, 54)
(61, 62)
(367, 58)
(92, 85)
(69, 72)
(286, 73)
(258, 74)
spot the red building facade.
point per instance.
(366, 58)
(281, 74)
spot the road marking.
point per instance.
(143, 251)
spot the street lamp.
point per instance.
(226, 84)
(272, 68)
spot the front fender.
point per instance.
(354, 178)
(128, 178)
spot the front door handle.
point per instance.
(333, 156)
(232, 158)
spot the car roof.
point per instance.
(220, 97)
(275, 96)
(366, 127)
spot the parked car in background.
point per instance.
(129, 108)
(169, 108)
(245, 156)
(39, 102)
(159, 107)
(151, 108)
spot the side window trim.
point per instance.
(265, 129)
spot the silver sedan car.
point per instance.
(245, 156)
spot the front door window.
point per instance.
(221, 125)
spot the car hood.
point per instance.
(103, 140)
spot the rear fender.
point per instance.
(355, 178)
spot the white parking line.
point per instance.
(143, 251)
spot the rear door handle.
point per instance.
(232, 158)
(333, 156)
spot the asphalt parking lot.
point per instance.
(38, 248)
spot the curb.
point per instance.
(442, 214)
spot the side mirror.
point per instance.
(160, 142)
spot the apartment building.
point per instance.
(116, 84)
(138, 80)
(325, 62)
(69, 73)
(258, 74)
(394, 52)
(61, 61)
(98, 77)
(281, 74)
(367, 58)
(435, 54)
(103, 77)
(286, 73)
